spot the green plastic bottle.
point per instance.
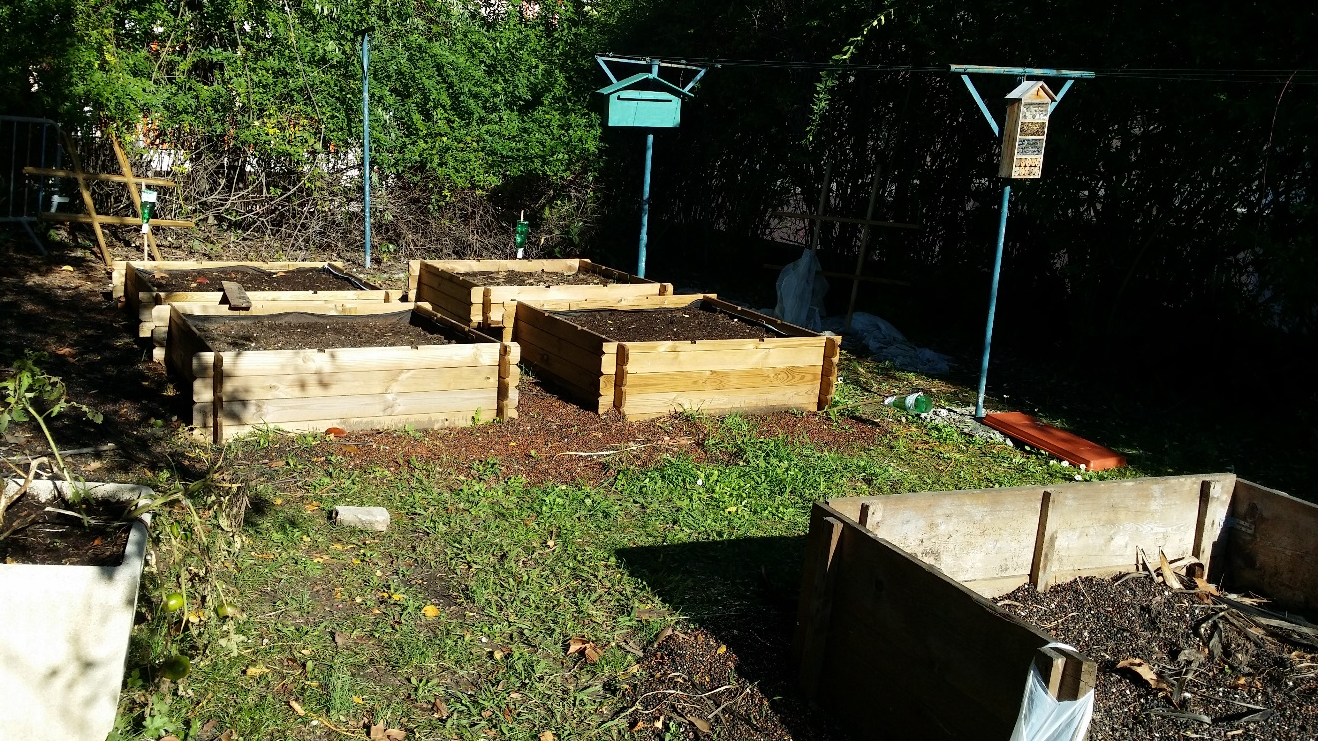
(916, 403)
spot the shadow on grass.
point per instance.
(744, 592)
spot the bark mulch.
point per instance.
(686, 324)
(251, 279)
(1220, 674)
(546, 279)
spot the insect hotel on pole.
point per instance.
(1027, 126)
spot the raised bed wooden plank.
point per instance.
(563, 329)
(343, 360)
(718, 380)
(591, 361)
(698, 361)
(242, 411)
(802, 397)
(1065, 445)
(235, 295)
(407, 381)
(437, 420)
(588, 383)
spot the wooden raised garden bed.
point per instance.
(474, 291)
(473, 378)
(790, 368)
(897, 635)
(137, 283)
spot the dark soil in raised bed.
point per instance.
(297, 331)
(43, 537)
(251, 279)
(539, 278)
(1172, 632)
(686, 324)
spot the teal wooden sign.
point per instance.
(644, 100)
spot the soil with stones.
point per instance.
(33, 534)
(251, 279)
(543, 278)
(686, 324)
(308, 332)
(688, 686)
(1235, 681)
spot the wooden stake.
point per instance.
(127, 168)
(87, 199)
(823, 203)
(864, 243)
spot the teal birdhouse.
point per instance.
(644, 100)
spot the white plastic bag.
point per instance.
(801, 292)
(1044, 719)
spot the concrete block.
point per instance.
(367, 518)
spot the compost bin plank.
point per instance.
(913, 654)
(408, 380)
(815, 606)
(1065, 445)
(1272, 547)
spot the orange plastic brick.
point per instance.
(1060, 443)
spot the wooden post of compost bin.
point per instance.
(1045, 543)
(1067, 675)
(217, 404)
(815, 609)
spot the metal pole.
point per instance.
(645, 192)
(366, 139)
(993, 301)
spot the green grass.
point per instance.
(514, 570)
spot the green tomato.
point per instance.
(227, 611)
(173, 601)
(175, 667)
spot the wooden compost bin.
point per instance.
(651, 379)
(131, 280)
(351, 388)
(441, 283)
(896, 635)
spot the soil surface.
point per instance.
(674, 325)
(251, 279)
(1251, 686)
(543, 278)
(43, 537)
(688, 685)
(310, 332)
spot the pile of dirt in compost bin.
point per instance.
(538, 278)
(252, 279)
(685, 324)
(299, 331)
(1176, 663)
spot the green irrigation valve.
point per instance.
(520, 235)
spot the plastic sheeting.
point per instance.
(886, 342)
(1044, 719)
(801, 291)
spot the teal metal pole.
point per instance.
(645, 193)
(993, 301)
(366, 139)
(645, 205)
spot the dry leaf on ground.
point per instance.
(1146, 672)
(548, 736)
(441, 709)
(700, 723)
(589, 649)
(430, 611)
(256, 670)
(297, 707)
(380, 733)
